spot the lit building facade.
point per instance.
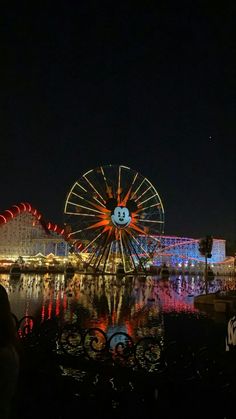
(23, 232)
(175, 251)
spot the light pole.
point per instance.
(206, 274)
(205, 248)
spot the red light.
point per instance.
(3, 218)
(10, 213)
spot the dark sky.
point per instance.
(152, 87)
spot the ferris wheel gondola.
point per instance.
(114, 215)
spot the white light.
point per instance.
(125, 167)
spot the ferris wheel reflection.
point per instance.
(135, 305)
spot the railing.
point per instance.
(76, 346)
(86, 369)
(92, 344)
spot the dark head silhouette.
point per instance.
(7, 327)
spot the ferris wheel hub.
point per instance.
(121, 218)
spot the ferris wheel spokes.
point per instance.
(146, 200)
(102, 249)
(126, 265)
(135, 252)
(95, 254)
(133, 258)
(82, 206)
(134, 193)
(107, 258)
(146, 190)
(81, 214)
(103, 253)
(90, 243)
(87, 193)
(86, 200)
(80, 186)
(104, 177)
(150, 221)
(92, 186)
(128, 191)
(119, 187)
(138, 244)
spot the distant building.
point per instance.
(182, 250)
(23, 232)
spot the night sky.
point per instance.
(151, 87)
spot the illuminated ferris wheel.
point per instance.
(114, 215)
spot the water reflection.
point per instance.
(134, 305)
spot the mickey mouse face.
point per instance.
(121, 217)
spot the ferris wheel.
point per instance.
(114, 216)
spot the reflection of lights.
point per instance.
(128, 302)
(43, 313)
(58, 301)
(50, 309)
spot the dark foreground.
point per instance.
(192, 375)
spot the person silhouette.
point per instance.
(9, 356)
(231, 334)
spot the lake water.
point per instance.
(138, 306)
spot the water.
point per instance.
(138, 306)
